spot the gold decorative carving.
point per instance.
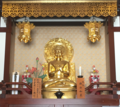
(94, 31)
(59, 9)
(24, 32)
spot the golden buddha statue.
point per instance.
(60, 72)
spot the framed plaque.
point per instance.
(36, 87)
(80, 88)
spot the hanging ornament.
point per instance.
(24, 32)
(94, 30)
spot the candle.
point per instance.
(80, 71)
(15, 78)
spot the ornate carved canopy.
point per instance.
(59, 8)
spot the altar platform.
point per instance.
(24, 99)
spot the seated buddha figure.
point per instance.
(59, 77)
(58, 71)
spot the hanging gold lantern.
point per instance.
(94, 31)
(25, 29)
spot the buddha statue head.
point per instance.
(58, 53)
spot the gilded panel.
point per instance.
(59, 9)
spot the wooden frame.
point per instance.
(111, 50)
(6, 99)
(8, 31)
(7, 49)
(111, 31)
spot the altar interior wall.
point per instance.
(86, 54)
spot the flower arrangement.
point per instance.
(36, 72)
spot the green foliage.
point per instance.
(42, 76)
(29, 80)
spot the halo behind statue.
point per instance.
(58, 43)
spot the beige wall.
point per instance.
(86, 53)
